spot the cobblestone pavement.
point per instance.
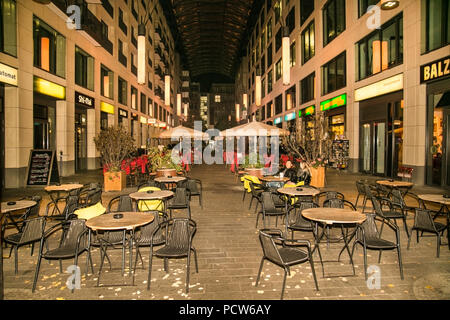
(229, 255)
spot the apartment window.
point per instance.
(263, 39)
(308, 43)
(217, 98)
(8, 27)
(122, 24)
(334, 74)
(290, 20)
(143, 103)
(278, 9)
(263, 65)
(123, 91)
(278, 69)
(307, 88)
(107, 82)
(279, 104)
(133, 60)
(269, 110)
(269, 56)
(306, 9)
(363, 5)
(333, 20)
(150, 107)
(133, 37)
(381, 49)
(134, 98)
(436, 24)
(270, 81)
(278, 40)
(84, 69)
(108, 7)
(49, 48)
(263, 87)
(105, 32)
(122, 56)
(293, 58)
(269, 30)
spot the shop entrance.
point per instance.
(373, 147)
(80, 139)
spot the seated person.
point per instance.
(290, 172)
(304, 174)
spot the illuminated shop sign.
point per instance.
(8, 74)
(289, 117)
(84, 100)
(435, 70)
(143, 120)
(106, 107)
(278, 120)
(49, 88)
(307, 111)
(336, 102)
(385, 86)
(123, 113)
(151, 121)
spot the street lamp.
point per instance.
(286, 56)
(258, 88)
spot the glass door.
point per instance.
(80, 142)
(366, 149)
(379, 148)
(373, 148)
(446, 149)
(41, 134)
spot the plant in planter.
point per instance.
(114, 145)
(253, 165)
(312, 146)
(161, 159)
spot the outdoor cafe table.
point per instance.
(396, 184)
(170, 180)
(7, 209)
(61, 188)
(331, 216)
(128, 223)
(444, 202)
(273, 181)
(153, 195)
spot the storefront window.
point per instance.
(337, 126)
(8, 27)
(84, 69)
(49, 48)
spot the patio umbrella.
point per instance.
(180, 132)
(253, 129)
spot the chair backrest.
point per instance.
(71, 205)
(147, 230)
(269, 248)
(370, 228)
(125, 203)
(34, 210)
(181, 196)
(295, 214)
(360, 186)
(397, 198)
(423, 220)
(338, 203)
(179, 233)
(94, 196)
(268, 203)
(193, 186)
(76, 227)
(33, 230)
(149, 205)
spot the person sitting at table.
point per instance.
(304, 174)
(290, 172)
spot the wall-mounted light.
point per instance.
(167, 88)
(141, 54)
(238, 110)
(286, 56)
(258, 88)
(389, 4)
(179, 104)
(245, 101)
(186, 106)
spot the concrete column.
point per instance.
(91, 133)
(353, 135)
(65, 136)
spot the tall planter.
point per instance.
(317, 177)
(115, 181)
(254, 172)
(166, 173)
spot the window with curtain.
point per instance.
(106, 82)
(49, 48)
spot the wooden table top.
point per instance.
(274, 179)
(64, 187)
(155, 195)
(439, 198)
(130, 221)
(334, 215)
(305, 191)
(170, 180)
(395, 183)
(19, 205)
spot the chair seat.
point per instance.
(439, 227)
(301, 226)
(393, 214)
(292, 255)
(147, 241)
(13, 238)
(176, 206)
(170, 252)
(61, 253)
(272, 212)
(380, 244)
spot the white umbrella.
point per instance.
(254, 129)
(180, 132)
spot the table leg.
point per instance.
(316, 244)
(130, 248)
(123, 252)
(348, 249)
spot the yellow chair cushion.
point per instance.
(90, 212)
(150, 205)
(292, 185)
(253, 179)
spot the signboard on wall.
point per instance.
(85, 100)
(435, 70)
(8, 74)
(42, 168)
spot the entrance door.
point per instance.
(41, 134)
(373, 147)
(80, 141)
(2, 139)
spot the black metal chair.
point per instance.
(392, 213)
(73, 243)
(149, 183)
(268, 208)
(328, 195)
(423, 221)
(295, 220)
(285, 255)
(17, 222)
(122, 203)
(339, 204)
(179, 201)
(369, 238)
(195, 189)
(398, 200)
(256, 191)
(92, 197)
(179, 234)
(70, 203)
(87, 190)
(361, 191)
(370, 191)
(31, 232)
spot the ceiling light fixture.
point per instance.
(389, 4)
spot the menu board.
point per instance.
(340, 153)
(42, 168)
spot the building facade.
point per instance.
(382, 78)
(69, 71)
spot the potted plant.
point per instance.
(253, 166)
(114, 145)
(163, 162)
(312, 147)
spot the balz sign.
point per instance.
(435, 70)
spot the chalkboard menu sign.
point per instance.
(340, 153)
(42, 168)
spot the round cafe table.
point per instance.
(67, 187)
(170, 181)
(392, 184)
(163, 195)
(7, 209)
(274, 182)
(444, 202)
(329, 217)
(128, 223)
